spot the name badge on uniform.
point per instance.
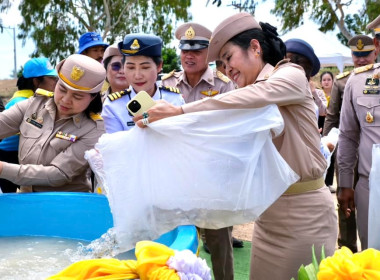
(34, 122)
(372, 85)
(66, 136)
(131, 124)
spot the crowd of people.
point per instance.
(58, 114)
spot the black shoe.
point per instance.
(206, 248)
(236, 243)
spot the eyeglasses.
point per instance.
(116, 66)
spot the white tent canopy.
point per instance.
(326, 46)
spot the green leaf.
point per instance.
(302, 273)
(314, 259)
(323, 255)
(311, 272)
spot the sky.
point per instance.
(209, 16)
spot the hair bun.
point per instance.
(269, 30)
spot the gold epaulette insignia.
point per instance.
(342, 75)
(118, 94)
(43, 92)
(167, 76)
(223, 77)
(95, 117)
(172, 89)
(363, 68)
(210, 92)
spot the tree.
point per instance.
(327, 13)
(55, 26)
(4, 5)
(171, 60)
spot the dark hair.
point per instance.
(95, 105)
(107, 61)
(156, 59)
(328, 73)
(302, 61)
(218, 63)
(27, 83)
(272, 46)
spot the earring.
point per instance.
(257, 53)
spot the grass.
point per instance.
(242, 257)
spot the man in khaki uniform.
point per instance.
(359, 131)
(362, 51)
(197, 81)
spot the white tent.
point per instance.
(326, 46)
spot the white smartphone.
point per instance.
(140, 103)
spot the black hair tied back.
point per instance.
(272, 36)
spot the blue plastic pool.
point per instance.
(80, 216)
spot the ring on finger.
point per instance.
(145, 115)
(145, 121)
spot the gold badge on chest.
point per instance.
(210, 92)
(369, 118)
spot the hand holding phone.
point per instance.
(140, 103)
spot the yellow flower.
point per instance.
(344, 265)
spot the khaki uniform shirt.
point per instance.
(286, 86)
(212, 82)
(359, 123)
(47, 162)
(335, 104)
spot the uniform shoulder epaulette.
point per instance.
(223, 77)
(172, 89)
(118, 94)
(167, 76)
(342, 75)
(95, 117)
(43, 92)
(363, 68)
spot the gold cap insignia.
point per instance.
(190, 33)
(369, 118)
(135, 45)
(76, 73)
(360, 44)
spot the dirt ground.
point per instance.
(7, 88)
(243, 232)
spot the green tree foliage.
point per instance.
(4, 5)
(327, 13)
(171, 60)
(56, 25)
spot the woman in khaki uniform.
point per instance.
(56, 130)
(304, 215)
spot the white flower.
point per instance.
(189, 266)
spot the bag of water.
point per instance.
(211, 169)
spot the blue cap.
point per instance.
(301, 47)
(90, 39)
(38, 67)
(141, 44)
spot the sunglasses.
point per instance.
(116, 66)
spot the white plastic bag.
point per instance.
(374, 198)
(211, 169)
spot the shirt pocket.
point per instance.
(59, 145)
(30, 135)
(368, 111)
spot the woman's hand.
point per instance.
(161, 110)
